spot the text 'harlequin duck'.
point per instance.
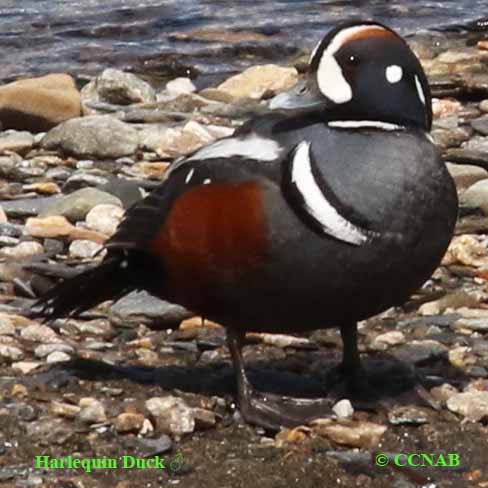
(331, 208)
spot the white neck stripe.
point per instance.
(359, 124)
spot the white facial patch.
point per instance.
(330, 77)
(331, 80)
(394, 73)
(251, 146)
(317, 205)
(420, 90)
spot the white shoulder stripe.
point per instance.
(317, 205)
(251, 146)
(359, 124)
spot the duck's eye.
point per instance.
(352, 60)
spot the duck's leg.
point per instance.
(268, 410)
(350, 371)
(351, 361)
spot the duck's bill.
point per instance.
(300, 97)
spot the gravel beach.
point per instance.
(143, 378)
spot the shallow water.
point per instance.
(83, 36)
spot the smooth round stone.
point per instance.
(57, 357)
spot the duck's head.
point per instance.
(363, 70)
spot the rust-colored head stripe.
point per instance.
(370, 32)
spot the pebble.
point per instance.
(204, 419)
(476, 196)
(11, 352)
(172, 414)
(383, 341)
(44, 350)
(418, 352)
(39, 333)
(43, 188)
(184, 140)
(407, 415)
(279, 340)
(10, 230)
(58, 226)
(91, 411)
(129, 422)
(49, 432)
(84, 249)
(466, 175)
(62, 409)
(444, 107)
(25, 367)
(81, 179)
(180, 86)
(23, 250)
(467, 250)
(480, 125)
(484, 105)
(474, 324)
(443, 392)
(6, 328)
(99, 136)
(119, 87)
(343, 409)
(461, 357)
(16, 141)
(449, 301)
(104, 218)
(97, 327)
(26, 207)
(254, 82)
(352, 433)
(76, 205)
(57, 357)
(473, 406)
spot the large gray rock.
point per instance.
(117, 87)
(76, 205)
(99, 136)
(139, 307)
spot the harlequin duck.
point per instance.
(330, 209)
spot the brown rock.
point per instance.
(58, 226)
(443, 107)
(184, 140)
(257, 80)
(204, 419)
(467, 250)
(471, 405)
(465, 175)
(129, 422)
(450, 301)
(483, 45)
(43, 187)
(38, 104)
(62, 409)
(350, 432)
